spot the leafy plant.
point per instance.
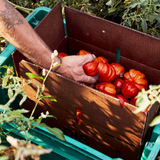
(143, 15)
(147, 98)
(15, 87)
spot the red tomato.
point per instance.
(138, 78)
(129, 90)
(118, 83)
(89, 68)
(103, 70)
(133, 101)
(104, 60)
(62, 54)
(106, 87)
(122, 99)
(83, 52)
(120, 70)
(111, 74)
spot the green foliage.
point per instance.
(147, 98)
(143, 15)
(15, 87)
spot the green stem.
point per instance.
(42, 90)
(10, 131)
(12, 99)
(27, 10)
(34, 108)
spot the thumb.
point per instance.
(87, 58)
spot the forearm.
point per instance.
(17, 31)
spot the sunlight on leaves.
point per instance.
(31, 75)
(155, 121)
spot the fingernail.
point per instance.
(93, 56)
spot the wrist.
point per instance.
(59, 60)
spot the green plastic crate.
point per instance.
(6, 58)
(152, 147)
(61, 150)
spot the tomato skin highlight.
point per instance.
(107, 88)
(118, 83)
(129, 90)
(122, 99)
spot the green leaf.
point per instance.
(31, 75)
(111, 3)
(48, 97)
(38, 121)
(151, 17)
(23, 100)
(155, 121)
(10, 93)
(5, 81)
(144, 25)
(133, 4)
(51, 116)
(3, 107)
(2, 147)
(142, 103)
(57, 132)
(111, 10)
(4, 157)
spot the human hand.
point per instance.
(72, 67)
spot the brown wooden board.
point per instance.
(105, 126)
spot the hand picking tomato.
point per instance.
(129, 90)
(89, 68)
(120, 70)
(122, 99)
(118, 83)
(138, 78)
(106, 87)
(62, 54)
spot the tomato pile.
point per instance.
(114, 80)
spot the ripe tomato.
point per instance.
(120, 70)
(106, 87)
(133, 101)
(137, 77)
(89, 68)
(111, 74)
(122, 99)
(118, 83)
(83, 52)
(129, 90)
(104, 60)
(62, 54)
(103, 70)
